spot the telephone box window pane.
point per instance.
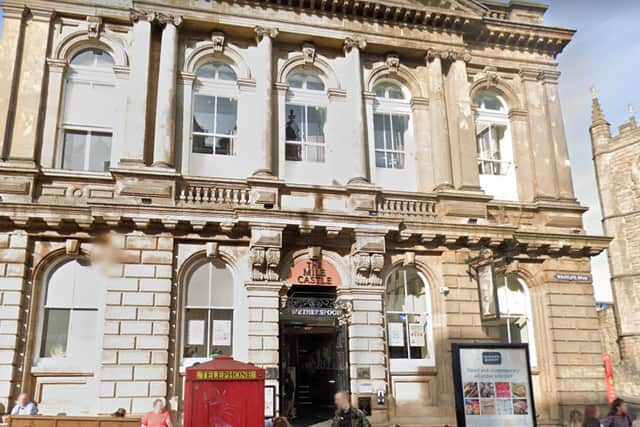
(55, 332)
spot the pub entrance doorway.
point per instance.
(313, 353)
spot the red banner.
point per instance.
(608, 377)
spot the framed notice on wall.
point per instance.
(269, 401)
(492, 385)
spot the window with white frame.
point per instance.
(408, 318)
(208, 313)
(306, 117)
(88, 113)
(69, 315)
(491, 128)
(515, 323)
(391, 117)
(215, 110)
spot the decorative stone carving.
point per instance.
(409, 258)
(377, 264)
(362, 267)
(164, 19)
(392, 62)
(354, 42)
(94, 26)
(309, 53)
(218, 40)
(346, 309)
(72, 246)
(264, 263)
(266, 32)
(142, 15)
(257, 257)
(212, 250)
(273, 264)
(315, 252)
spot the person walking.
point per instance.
(289, 393)
(158, 417)
(346, 415)
(618, 416)
(591, 416)
(575, 418)
(24, 406)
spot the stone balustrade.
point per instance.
(217, 194)
(407, 206)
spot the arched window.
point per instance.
(391, 117)
(88, 114)
(495, 155)
(208, 312)
(515, 324)
(306, 116)
(215, 110)
(408, 317)
(69, 316)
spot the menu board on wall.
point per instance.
(492, 383)
(416, 335)
(396, 334)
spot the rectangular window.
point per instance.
(489, 138)
(55, 332)
(214, 125)
(208, 332)
(305, 133)
(389, 134)
(86, 150)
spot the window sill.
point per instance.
(68, 173)
(62, 370)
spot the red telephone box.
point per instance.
(224, 393)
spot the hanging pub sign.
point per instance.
(485, 274)
(314, 272)
(492, 385)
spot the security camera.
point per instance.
(444, 290)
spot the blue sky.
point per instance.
(606, 52)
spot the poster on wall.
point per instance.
(269, 401)
(416, 335)
(492, 384)
(222, 332)
(195, 332)
(396, 334)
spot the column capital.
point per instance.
(142, 15)
(262, 32)
(166, 19)
(530, 74)
(56, 65)
(357, 42)
(14, 11)
(549, 76)
(41, 15)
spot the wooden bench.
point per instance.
(64, 421)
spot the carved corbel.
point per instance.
(377, 264)
(314, 252)
(218, 40)
(142, 15)
(94, 26)
(273, 264)
(72, 246)
(362, 267)
(409, 259)
(257, 258)
(309, 53)
(392, 62)
(358, 42)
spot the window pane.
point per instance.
(294, 122)
(315, 124)
(293, 152)
(75, 142)
(78, 96)
(196, 331)
(400, 126)
(101, 106)
(92, 57)
(386, 120)
(416, 302)
(86, 281)
(54, 332)
(314, 83)
(82, 335)
(381, 159)
(395, 291)
(203, 113)
(60, 285)
(225, 72)
(206, 71)
(224, 146)
(222, 332)
(378, 130)
(226, 117)
(314, 153)
(203, 144)
(397, 336)
(198, 288)
(296, 81)
(222, 285)
(100, 154)
(395, 160)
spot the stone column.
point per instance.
(29, 95)
(525, 172)
(56, 69)
(12, 35)
(356, 134)
(558, 135)
(462, 124)
(421, 127)
(164, 135)
(542, 146)
(264, 89)
(132, 151)
(439, 141)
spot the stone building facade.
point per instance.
(616, 161)
(183, 179)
